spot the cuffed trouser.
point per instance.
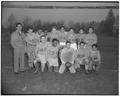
(19, 59)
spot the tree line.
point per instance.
(109, 26)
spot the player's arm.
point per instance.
(98, 57)
(36, 50)
(13, 41)
(95, 39)
(29, 41)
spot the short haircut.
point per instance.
(71, 28)
(42, 36)
(55, 39)
(68, 42)
(82, 29)
(18, 24)
(54, 27)
(82, 43)
(63, 27)
(91, 27)
(94, 45)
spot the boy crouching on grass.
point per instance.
(81, 57)
(67, 58)
(95, 58)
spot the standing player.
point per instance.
(67, 58)
(52, 55)
(71, 37)
(62, 36)
(31, 45)
(19, 44)
(54, 34)
(95, 58)
(81, 36)
(90, 38)
(40, 53)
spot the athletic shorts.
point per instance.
(53, 62)
(41, 58)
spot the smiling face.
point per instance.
(30, 30)
(62, 29)
(81, 45)
(19, 27)
(55, 43)
(43, 39)
(94, 48)
(71, 31)
(81, 31)
(90, 30)
(53, 29)
(39, 31)
(68, 45)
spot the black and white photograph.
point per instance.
(59, 47)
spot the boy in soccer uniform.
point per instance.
(31, 45)
(95, 58)
(52, 55)
(67, 58)
(81, 57)
(41, 54)
(38, 34)
(54, 34)
(63, 36)
(91, 38)
(71, 37)
(80, 37)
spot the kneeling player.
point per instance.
(52, 55)
(81, 57)
(95, 58)
(67, 58)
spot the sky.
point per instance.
(76, 15)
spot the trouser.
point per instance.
(31, 54)
(95, 65)
(19, 59)
(79, 62)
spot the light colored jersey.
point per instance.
(52, 52)
(91, 38)
(95, 55)
(30, 39)
(41, 48)
(82, 53)
(67, 55)
(63, 36)
(71, 36)
(53, 35)
(80, 37)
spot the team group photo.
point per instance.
(59, 47)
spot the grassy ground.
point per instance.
(106, 82)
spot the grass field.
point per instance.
(106, 82)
